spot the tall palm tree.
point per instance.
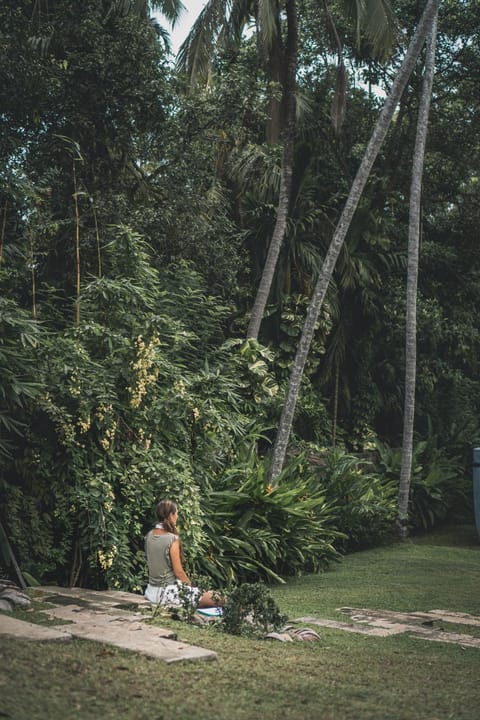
(263, 290)
(224, 21)
(170, 9)
(373, 148)
(412, 278)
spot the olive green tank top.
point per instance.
(157, 550)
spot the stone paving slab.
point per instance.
(456, 617)
(105, 597)
(380, 623)
(100, 616)
(81, 615)
(141, 638)
(448, 637)
(126, 631)
(383, 631)
(366, 615)
(30, 631)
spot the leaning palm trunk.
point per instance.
(412, 279)
(373, 148)
(268, 273)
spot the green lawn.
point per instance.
(343, 677)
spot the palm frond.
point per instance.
(239, 17)
(162, 33)
(375, 20)
(303, 105)
(171, 9)
(258, 166)
(268, 22)
(380, 26)
(195, 53)
(220, 23)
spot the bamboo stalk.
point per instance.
(77, 245)
(335, 403)
(34, 282)
(4, 226)
(97, 235)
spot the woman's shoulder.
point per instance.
(173, 536)
(154, 533)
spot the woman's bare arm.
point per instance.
(177, 566)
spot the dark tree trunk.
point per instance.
(265, 285)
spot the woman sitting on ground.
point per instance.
(165, 567)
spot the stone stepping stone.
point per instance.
(366, 615)
(456, 617)
(379, 630)
(113, 598)
(79, 614)
(126, 631)
(30, 631)
(379, 623)
(448, 637)
(140, 638)
(74, 613)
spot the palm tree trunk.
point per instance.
(4, 225)
(373, 148)
(276, 105)
(412, 281)
(263, 291)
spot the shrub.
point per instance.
(251, 610)
(437, 483)
(364, 503)
(257, 531)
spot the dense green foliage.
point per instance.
(134, 223)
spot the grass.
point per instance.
(343, 677)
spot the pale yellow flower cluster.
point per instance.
(103, 410)
(109, 436)
(108, 502)
(146, 441)
(103, 414)
(179, 387)
(106, 559)
(74, 385)
(84, 424)
(68, 432)
(143, 368)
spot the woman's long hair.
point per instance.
(164, 509)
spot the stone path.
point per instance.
(383, 623)
(103, 617)
(30, 631)
(116, 618)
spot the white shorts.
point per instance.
(169, 595)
